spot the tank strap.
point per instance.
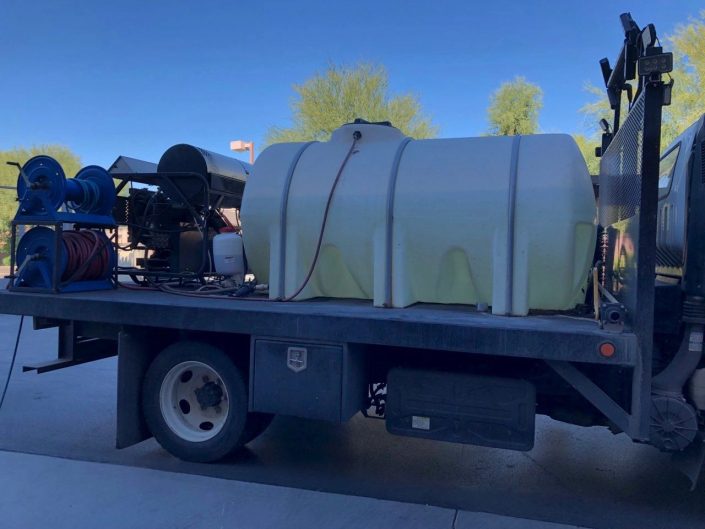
(282, 218)
(511, 216)
(389, 234)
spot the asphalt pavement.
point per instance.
(575, 476)
(61, 493)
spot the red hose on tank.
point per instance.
(88, 256)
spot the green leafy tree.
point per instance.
(514, 108)
(688, 97)
(597, 109)
(8, 177)
(339, 95)
(587, 148)
(594, 111)
(688, 104)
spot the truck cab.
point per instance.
(680, 169)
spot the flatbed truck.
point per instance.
(206, 375)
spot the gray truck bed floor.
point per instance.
(443, 327)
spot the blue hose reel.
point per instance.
(42, 188)
(51, 256)
(36, 254)
(42, 268)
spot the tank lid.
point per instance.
(382, 131)
(360, 121)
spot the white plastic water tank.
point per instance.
(507, 221)
(228, 254)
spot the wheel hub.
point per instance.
(194, 401)
(209, 395)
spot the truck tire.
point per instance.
(195, 402)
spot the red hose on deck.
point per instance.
(88, 256)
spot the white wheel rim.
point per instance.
(189, 417)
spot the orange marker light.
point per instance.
(607, 349)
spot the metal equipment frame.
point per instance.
(164, 181)
(57, 222)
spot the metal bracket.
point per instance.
(597, 397)
(612, 316)
(74, 350)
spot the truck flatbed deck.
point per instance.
(422, 326)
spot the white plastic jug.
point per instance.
(228, 254)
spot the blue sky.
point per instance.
(133, 77)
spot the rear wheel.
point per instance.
(195, 402)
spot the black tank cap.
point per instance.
(360, 121)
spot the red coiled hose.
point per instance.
(88, 256)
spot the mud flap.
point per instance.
(690, 461)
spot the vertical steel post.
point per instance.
(643, 319)
(58, 248)
(13, 249)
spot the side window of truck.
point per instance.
(666, 167)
